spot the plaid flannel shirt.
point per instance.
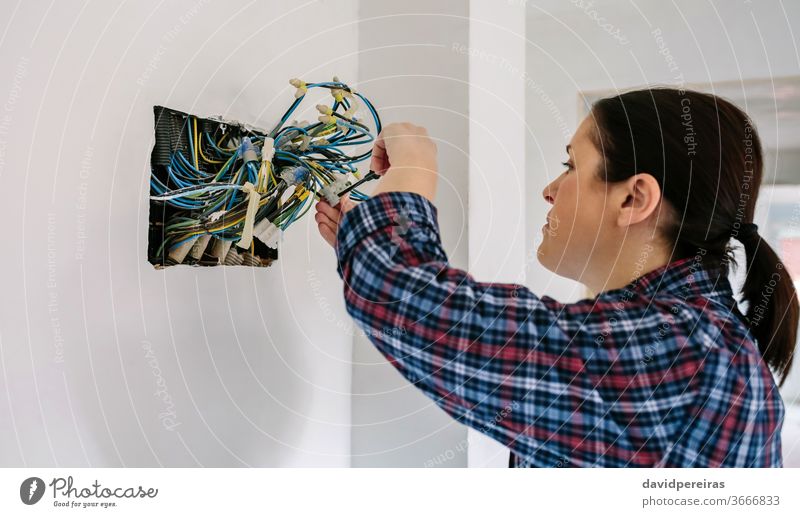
(662, 372)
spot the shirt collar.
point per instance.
(686, 277)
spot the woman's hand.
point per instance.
(328, 218)
(405, 156)
(405, 145)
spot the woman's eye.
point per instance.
(567, 165)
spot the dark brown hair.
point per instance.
(706, 156)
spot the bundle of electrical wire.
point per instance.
(234, 188)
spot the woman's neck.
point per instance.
(631, 263)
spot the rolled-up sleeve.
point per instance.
(491, 355)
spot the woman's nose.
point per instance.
(549, 194)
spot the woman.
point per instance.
(660, 368)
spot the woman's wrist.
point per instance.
(417, 179)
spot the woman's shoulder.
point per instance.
(672, 322)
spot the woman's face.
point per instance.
(573, 236)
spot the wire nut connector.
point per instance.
(294, 175)
(268, 150)
(331, 192)
(248, 151)
(266, 231)
(302, 87)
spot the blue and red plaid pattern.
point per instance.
(662, 372)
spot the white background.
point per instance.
(255, 363)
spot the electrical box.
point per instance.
(189, 150)
(221, 192)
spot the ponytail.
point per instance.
(772, 304)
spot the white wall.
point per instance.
(497, 226)
(255, 364)
(408, 66)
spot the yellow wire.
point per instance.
(206, 158)
(272, 176)
(196, 143)
(211, 230)
(228, 224)
(302, 194)
(219, 174)
(326, 132)
(264, 175)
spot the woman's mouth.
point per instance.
(547, 226)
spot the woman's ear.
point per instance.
(641, 195)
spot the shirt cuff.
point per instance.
(401, 210)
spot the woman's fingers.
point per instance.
(331, 212)
(405, 145)
(319, 217)
(328, 217)
(345, 205)
(328, 233)
(336, 212)
(380, 159)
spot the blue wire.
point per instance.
(182, 173)
(179, 243)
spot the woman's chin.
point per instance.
(541, 254)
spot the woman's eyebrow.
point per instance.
(568, 148)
